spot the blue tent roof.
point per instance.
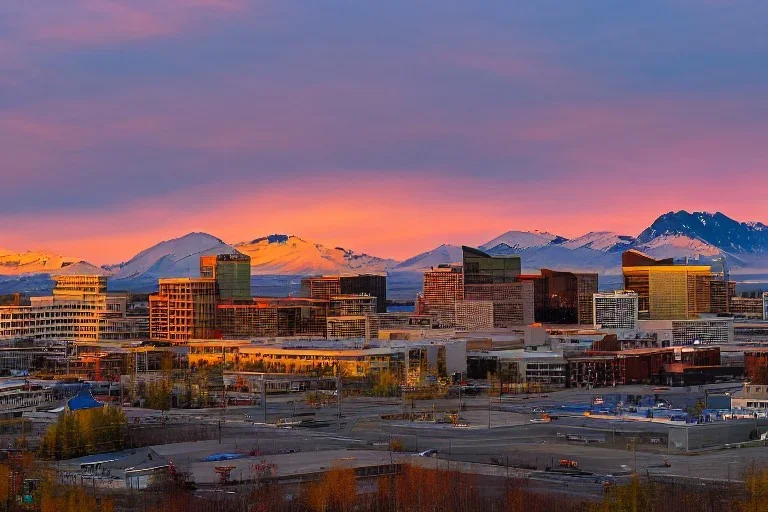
(84, 400)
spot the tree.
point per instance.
(78, 433)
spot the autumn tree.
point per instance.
(78, 433)
(336, 491)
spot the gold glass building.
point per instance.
(667, 291)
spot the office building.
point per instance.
(482, 268)
(184, 308)
(410, 363)
(667, 291)
(326, 287)
(374, 285)
(474, 315)
(563, 297)
(272, 317)
(320, 287)
(615, 310)
(720, 294)
(443, 286)
(79, 310)
(586, 286)
(512, 302)
(701, 331)
(747, 307)
(232, 273)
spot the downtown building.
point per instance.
(615, 310)
(667, 291)
(185, 308)
(748, 307)
(563, 297)
(484, 292)
(79, 310)
(327, 287)
(495, 280)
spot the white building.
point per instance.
(80, 309)
(615, 310)
(704, 331)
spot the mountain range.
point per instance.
(699, 235)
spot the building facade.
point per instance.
(184, 308)
(512, 302)
(482, 268)
(79, 310)
(720, 295)
(615, 310)
(667, 291)
(232, 273)
(443, 286)
(702, 331)
(748, 307)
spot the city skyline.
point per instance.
(378, 128)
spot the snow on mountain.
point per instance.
(715, 229)
(179, 257)
(678, 246)
(605, 241)
(287, 254)
(442, 255)
(519, 240)
(32, 262)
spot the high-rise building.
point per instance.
(326, 287)
(184, 308)
(443, 286)
(587, 285)
(474, 315)
(563, 297)
(273, 317)
(512, 302)
(615, 310)
(232, 273)
(352, 305)
(482, 268)
(720, 294)
(374, 285)
(320, 287)
(667, 291)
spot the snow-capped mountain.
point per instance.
(714, 229)
(519, 240)
(442, 255)
(179, 257)
(287, 254)
(605, 241)
(32, 262)
(678, 246)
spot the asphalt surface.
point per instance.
(355, 431)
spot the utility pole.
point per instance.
(338, 401)
(264, 397)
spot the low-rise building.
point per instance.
(748, 307)
(703, 331)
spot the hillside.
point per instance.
(287, 254)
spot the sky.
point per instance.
(385, 127)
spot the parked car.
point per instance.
(428, 453)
